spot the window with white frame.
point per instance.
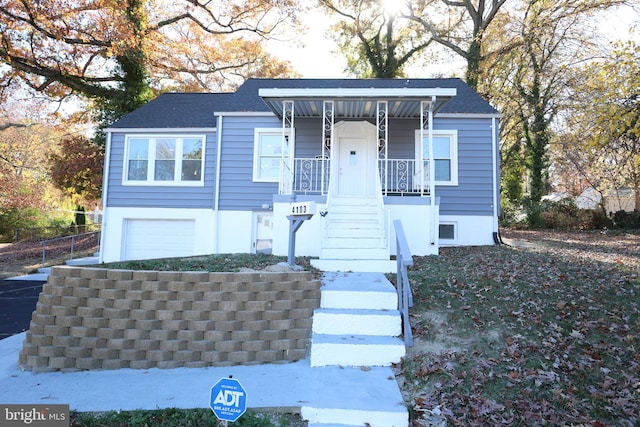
(447, 231)
(268, 151)
(164, 160)
(445, 156)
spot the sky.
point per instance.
(313, 56)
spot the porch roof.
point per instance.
(357, 102)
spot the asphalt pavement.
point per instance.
(18, 300)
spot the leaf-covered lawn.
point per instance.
(544, 331)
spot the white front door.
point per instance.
(356, 161)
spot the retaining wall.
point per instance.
(94, 318)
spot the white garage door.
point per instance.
(158, 238)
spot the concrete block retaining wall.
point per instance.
(94, 318)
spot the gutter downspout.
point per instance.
(105, 187)
(432, 174)
(494, 151)
(216, 193)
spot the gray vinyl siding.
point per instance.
(160, 196)
(237, 189)
(473, 195)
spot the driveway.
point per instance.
(17, 301)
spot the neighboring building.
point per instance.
(622, 199)
(589, 199)
(192, 173)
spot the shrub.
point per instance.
(562, 214)
(623, 219)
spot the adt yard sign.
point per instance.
(228, 399)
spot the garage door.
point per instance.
(158, 238)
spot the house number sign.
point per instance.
(303, 208)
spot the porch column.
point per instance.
(286, 169)
(328, 118)
(382, 126)
(426, 126)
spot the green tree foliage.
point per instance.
(529, 84)
(373, 37)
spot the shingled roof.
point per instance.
(196, 110)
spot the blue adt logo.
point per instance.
(228, 399)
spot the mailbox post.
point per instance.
(299, 213)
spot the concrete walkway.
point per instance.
(371, 392)
(290, 387)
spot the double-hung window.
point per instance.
(268, 153)
(445, 156)
(164, 160)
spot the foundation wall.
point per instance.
(93, 318)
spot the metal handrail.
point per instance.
(405, 299)
(72, 237)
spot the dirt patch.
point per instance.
(18, 259)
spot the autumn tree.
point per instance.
(76, 168)
(530, 83)
(373, 37)
(114, 52)
(24, 184)
(603, 127)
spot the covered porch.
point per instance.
(360, 184)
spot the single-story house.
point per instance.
(202, 173)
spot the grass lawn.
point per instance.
(545, 332)
(177, 418)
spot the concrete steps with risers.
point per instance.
(355, 265)
(358, 324)
(354, 228)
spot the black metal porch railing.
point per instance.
(405, 299)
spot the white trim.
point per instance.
(494, 163)
(357, 92)
(105, 195)
(160, 130)
(453, 135)
(216, 195)
(468, 116)
(244, 113)
(257, 133)
(151, 150)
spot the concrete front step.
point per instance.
(356, 328)
(84, 261)
(356, 350)
(358, 253)
(369, 291)
(358, 322)
(373, 398)
(359, 244)
(327, 418)
(355, 265)
(362, 231)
